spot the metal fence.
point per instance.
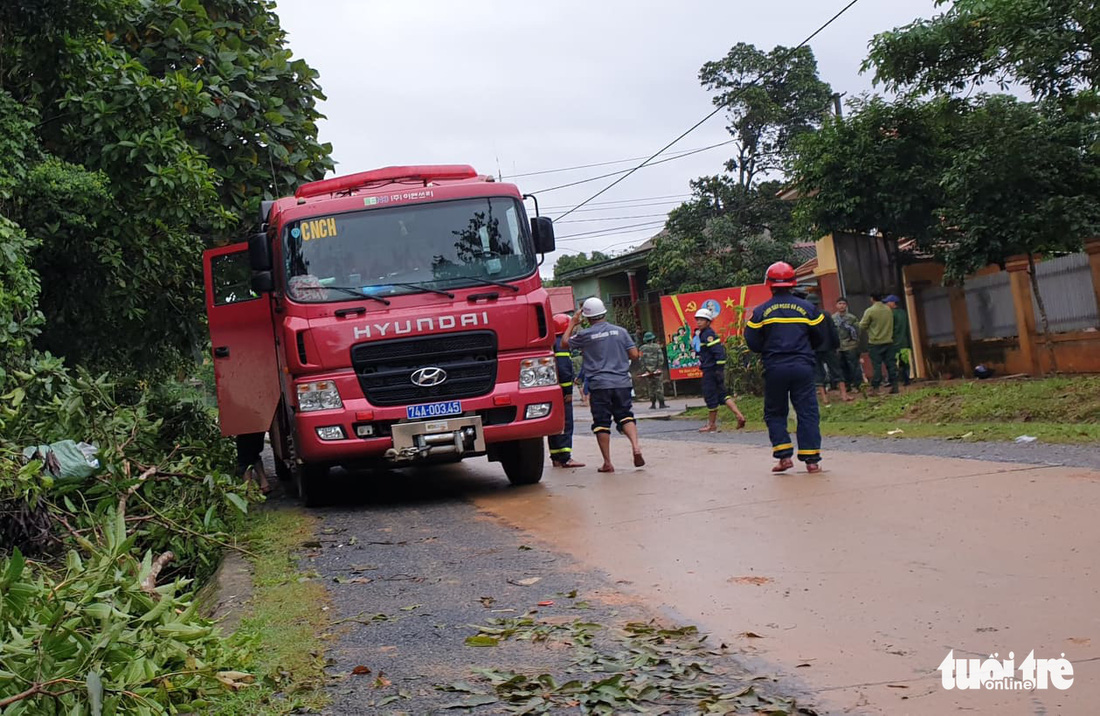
(938, 325)
(990, 308)
(1066, 285)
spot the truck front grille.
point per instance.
(385, 368)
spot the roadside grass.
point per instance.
(283, 628)
(1055, 410)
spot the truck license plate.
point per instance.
(433, 410)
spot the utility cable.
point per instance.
(719, 108)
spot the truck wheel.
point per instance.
(311, 483)
(523, 461)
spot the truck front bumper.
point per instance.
(368, 433)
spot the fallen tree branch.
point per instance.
(37, 689)
(149, 584)
(133, 488)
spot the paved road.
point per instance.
(857, 583)
(861, 581)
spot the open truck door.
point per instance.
(243, 341)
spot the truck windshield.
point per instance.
(407, 249)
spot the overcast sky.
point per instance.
(529, 86)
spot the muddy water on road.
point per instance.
(858, 582)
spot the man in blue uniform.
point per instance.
(561, 446)
(785, 330)
(712, 361)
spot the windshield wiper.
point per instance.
(485, 282)
(422, 287)
(358, 293)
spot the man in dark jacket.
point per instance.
(827, 369)
(561, 446)
(786, 330)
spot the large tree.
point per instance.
(159, 127)
(734, 225)
(770, 98)
(1050, 46)
(876, 170)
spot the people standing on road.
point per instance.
(878, 324)
(653, 368)
(847, 328)
(250, 464)
(606, 353)
(902, 346)
(827, 370)
(712, 361)
(786, 330)
(561, 446)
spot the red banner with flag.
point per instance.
(729, 306)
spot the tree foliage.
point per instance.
(572, 262)
(735, 225)
(1023, 179)
(878, 169)
(1050, 46)
(157, 128)
(770, 99)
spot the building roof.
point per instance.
(635, 259)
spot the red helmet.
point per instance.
(561, 322)
(780, 275)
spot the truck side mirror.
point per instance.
(542, 231)
(263, 282)
(259, 252)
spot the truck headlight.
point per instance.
(319, 395)
(537, 373)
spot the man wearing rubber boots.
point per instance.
(561, 446)
(786, 330)
(712, 361)
(607, 351)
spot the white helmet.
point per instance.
(704, 313)
(593, 308)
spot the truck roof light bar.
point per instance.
(387, 175)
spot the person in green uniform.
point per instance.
(653, 368)
(903, 349)
(847, 327)
(878, 324)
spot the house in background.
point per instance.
(621, 283)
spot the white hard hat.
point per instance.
(704, 313)
(593, 307)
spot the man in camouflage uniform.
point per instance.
(653, 366)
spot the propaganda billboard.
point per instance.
(730, 306)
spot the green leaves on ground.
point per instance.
(640, 668)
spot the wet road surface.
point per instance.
(859, 581)
(850, 587)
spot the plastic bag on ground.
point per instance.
(66, 460)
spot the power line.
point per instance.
(625, 201)
(719, 108)
(612, 218)
(628, 172)
(611, 230)
(685, 153)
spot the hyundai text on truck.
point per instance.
(385, 319)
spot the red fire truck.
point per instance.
(388, 318)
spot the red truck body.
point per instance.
(388, 318)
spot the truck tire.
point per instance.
(522, 461)
(311, 483)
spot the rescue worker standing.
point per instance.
(653, 366)
(786, 330)
(712, 361)
(561, 446)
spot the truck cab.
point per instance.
(388, 318)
